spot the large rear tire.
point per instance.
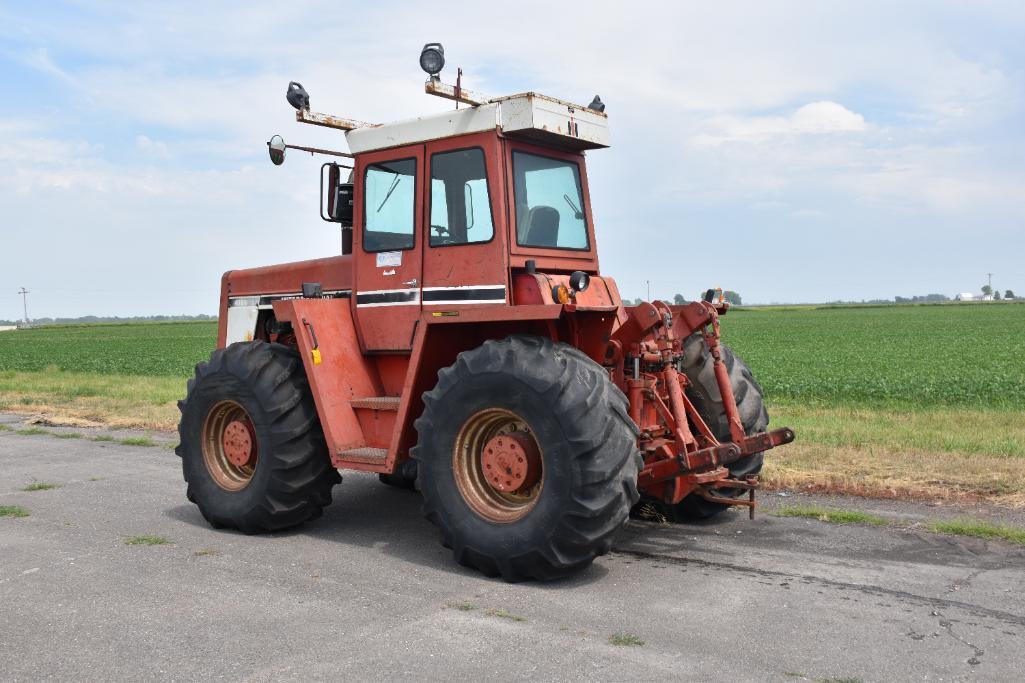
(571, 473)
(253, 453)
(703, 392)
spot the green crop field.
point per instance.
(888, 356)
(970, 355)
(921, 400)
(156, 349)
(120, 374)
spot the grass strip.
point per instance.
(137, 441)
(40, 486)
(625, 640)
(832, 516)
(13, 511)
(127, 441)
(979, 529)
(146, 539)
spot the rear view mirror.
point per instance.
(336, 201)
(335, 196)
(276, 148)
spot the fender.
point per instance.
(325, 334)
(442, 335)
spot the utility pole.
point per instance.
(649, 289)
(24, 301)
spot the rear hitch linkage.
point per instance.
(682, 455)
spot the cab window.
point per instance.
(460, 204)
(389, 191)
(549, 202)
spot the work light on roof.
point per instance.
(297, 96)
(432, 59)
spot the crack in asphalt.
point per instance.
(966, 581)
(1007, 617)
(948, 626)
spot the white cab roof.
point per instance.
(535, 117)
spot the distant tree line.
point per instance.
(115, 319)
(927, 299)
(730, 296)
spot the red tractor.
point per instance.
(465, 343)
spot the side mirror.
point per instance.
(335, 196)
(336, 202)
(276, 148)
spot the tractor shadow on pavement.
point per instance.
(371, 517)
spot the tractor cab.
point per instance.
(447, 209)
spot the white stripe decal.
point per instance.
(264, 301)
(386, 297)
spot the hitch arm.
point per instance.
(763, 442)
(713, 456)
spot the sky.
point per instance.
(790, 151)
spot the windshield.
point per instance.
(388, 195)
(549, 202)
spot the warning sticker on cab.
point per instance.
(387, 259)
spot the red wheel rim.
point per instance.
(229, 446)
(239, 442)
(498, 465)
(511, 462)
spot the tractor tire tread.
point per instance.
(599, 435)
(297, 478)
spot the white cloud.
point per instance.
(812, 118)
(826, 117)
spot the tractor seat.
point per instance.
(542, 227)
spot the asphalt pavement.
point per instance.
(367, 592)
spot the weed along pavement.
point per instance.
(111, 574)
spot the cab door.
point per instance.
(465, 256)
(388, 248)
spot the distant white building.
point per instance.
(969, 296)
(8, 328)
